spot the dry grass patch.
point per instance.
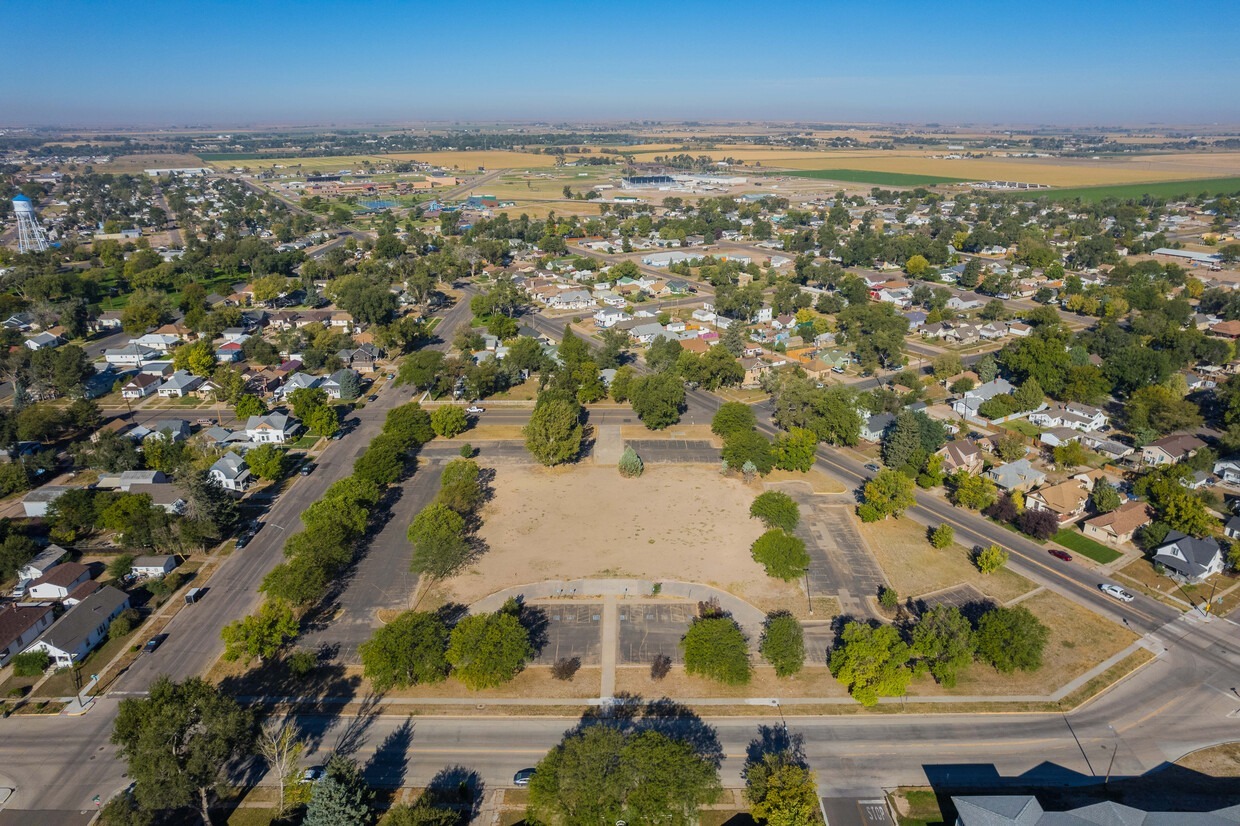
(1079, 640)
(1217, 761)
(915, 568)
(676, 522)
(812, 681)
(817, 480)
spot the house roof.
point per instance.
(47, 558)
(82, 591)
(63, 575)
(1024, 810)
(1016, 473)
(1177, 444)
(1123, 520)
(154, 561)
(80, 620)
(1064, 498)
(1198, 553)
(961, 451)
(879, 422)
(16, 620)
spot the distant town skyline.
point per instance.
(238, 64)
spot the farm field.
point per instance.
(859, 176)
(1161, 189)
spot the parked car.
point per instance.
(153, 643)
(873, 468)
(373, 397)
(206, 422)
(242, 541)
(312, 775)
(1058, 554)
(305, 469)
(1116, 591)
(522, 778)
(473, 408)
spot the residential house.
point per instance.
(334, 385)
(1120, 525)
(1228, 470)
(231, 473)
(47, 559)
(295, 382)
(179, 385)
(177, 430)
(341, 321)
(961, 455)
(1232, 528)
(167, 496)
(1188, 558)
(361, 359)
(163, 342)
(1019, 475)
(646, 333)
(755, 367)
(1024, 810)
(968, 404)
(608, 316)
(82, 627)
(140, 386)
(965, 301)
(80, 593)
(1076, 416)
(1056, 436)
(1171, 449)
(37, 501)
(131, 355)
(1066, 500)
(228, 352)
(20, 625)
(59, 581)
(873, 428)
(274, 428)
(1107, 447)
(126, 479)
(148, 566)
(43, 341)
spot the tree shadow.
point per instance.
(486, 486)
(452, 612)
(535, 621)
(776, 740)
(350, 740)
(459, 788)
(387, 766)
(628, 713)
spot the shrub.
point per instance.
(301, 662)
(566, 668)
(716, 648)
(942, 536)
(783, 643)
(888, 598)
(630, 465)
(990, 559)
(1038, 524)
(31, 663)
(781, 554)
(660, 666)
(467, 451)
(1011, 639)
(124, 624)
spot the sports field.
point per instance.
(1161, 189)
(861, 176)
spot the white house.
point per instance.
(147, 566)
(82, 627)
(58, 582)
(20, 625)
(163, 342)
(1076, 416)
(231, 473)
(37, 501)
(274, 428)
(609, 316)
(140, 386)
(1188, 558)
(47, 559)
(179, 384)
(968, 404)
(1228, 470)
(131, 355)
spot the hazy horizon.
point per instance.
(257, 65)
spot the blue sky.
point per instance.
(277, 62)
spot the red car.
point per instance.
(1058, 554)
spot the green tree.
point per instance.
(749, 446)
(871, 662)
(324, 421)
(198, 358)
(554, 432)
(421, 369)
(340, 798)
(942, 536)
(781, 791)
(488, 650)
(248, 406)
(715, 647)
(990, 559)
(260, 635)
(409, 425)
(943, 639)
(657, 400)
(267, 461)
(776, 510)
(973, 492)
(1104, 497)
(409, 650)
(31, 663)
(1159, 410)
(1071, 454)
(178, 741)
(383, 462)
(449, 420)
(783, 643)
(902, 440)
(1011, 639)
(733, 417)
(889, 493)
(422, 813)
(796, 450)
(440, 546)
(459, 487)
(781, 554)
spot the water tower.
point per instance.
(30, 236)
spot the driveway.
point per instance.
(840, 564)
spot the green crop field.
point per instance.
(1161, 189)
(230, 156)
(865, 176)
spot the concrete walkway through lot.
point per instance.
(608, 445)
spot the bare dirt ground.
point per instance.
(675, 522)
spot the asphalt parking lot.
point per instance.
(684, 451)
(839, 564)
(571, 630)
(652, 628)
(961, 596)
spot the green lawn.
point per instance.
(1072, 539)
(1162, 189)
(865, 176)
(922, 806)
(1023, 427)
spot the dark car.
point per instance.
(522, 778)
(372, 399)
(1058, 554)
(873, 468)
(153, 643)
